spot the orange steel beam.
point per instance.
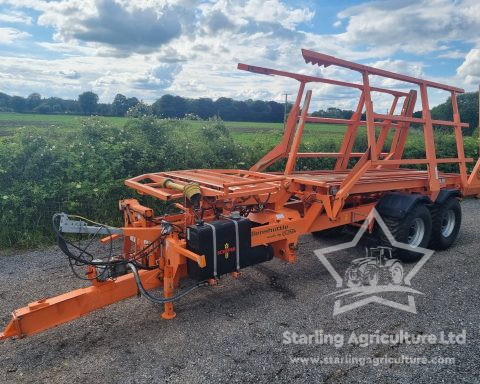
(325, 60)
(429, 145)
(419, 121)
(374, 181)
(385, 129)
(423, 161)
(372, 141)
(401, 133)
(350, 135)
(397, 151)
(330, 120)
(473, 183)
(292, 158)
(334, 154)
(44, 314)
(459, 139)
(362, 166)
(313, 79)
(284, 147)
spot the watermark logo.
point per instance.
(372, 278)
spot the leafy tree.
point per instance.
(43, 108)
(202, 107)
(277, 111)
(104, 109)
(88, 102)
(334, 113)
(119, 107)
(131, 102)
(18, 103)
(71, 106)
(57, 108)
(259, 110)
(4, 102)
(170, 106)
(467, 107)
(225, 108)
(33, 100)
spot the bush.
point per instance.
(139, 110)
(84, 172)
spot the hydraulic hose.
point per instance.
(162, 300)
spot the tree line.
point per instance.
(167, 106)
(170, 106)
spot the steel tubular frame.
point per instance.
(374, 156)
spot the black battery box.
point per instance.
(226, 245)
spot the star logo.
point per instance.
(370, 278)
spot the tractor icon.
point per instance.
(377, 268)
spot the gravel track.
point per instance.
(233, 331)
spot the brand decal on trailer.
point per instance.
(226, 251)
(280, 230)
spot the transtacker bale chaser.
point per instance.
(232, 219)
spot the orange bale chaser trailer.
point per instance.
(232, 219)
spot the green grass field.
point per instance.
(245, 133)
(11, 122)
(242, 132)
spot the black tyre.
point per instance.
(414, 229)
(446, 222)
(329, 233)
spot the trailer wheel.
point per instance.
(414, 229)
(329, 233)
(446, 222)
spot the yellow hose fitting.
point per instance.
(191, 190)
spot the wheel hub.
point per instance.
(448, 223)
(416, 232)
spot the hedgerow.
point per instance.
(83, 171)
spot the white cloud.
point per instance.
(9, 35)
(470, 68)
(71, 74)
(146, 48)
(411, 25)
(414, 69)
(273, 10)
(15, 17)
(452, 54)
(128, 29)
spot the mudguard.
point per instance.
(398, 205)
(445, 194)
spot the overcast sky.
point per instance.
(147, 48)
